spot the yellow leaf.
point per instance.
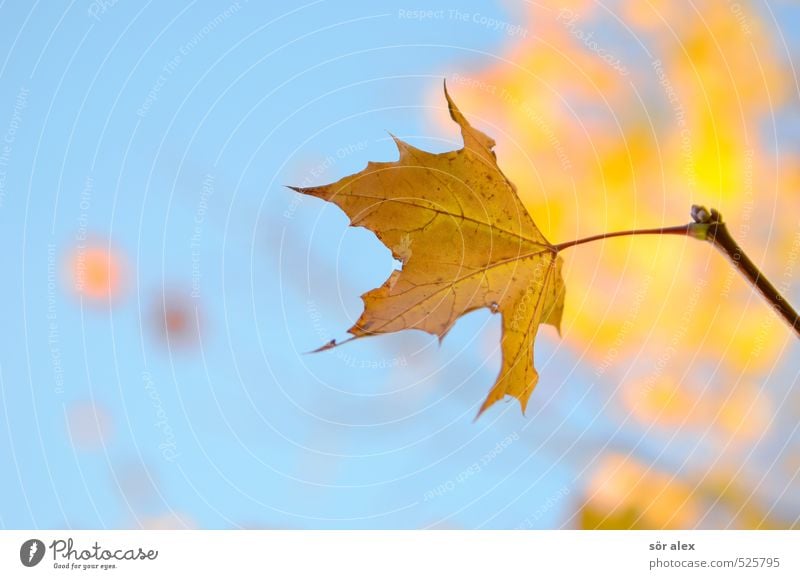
(465, 240)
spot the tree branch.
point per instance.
(717, 233)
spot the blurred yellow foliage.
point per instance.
(623, 493)
(733, 414)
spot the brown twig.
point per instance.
(719, 236)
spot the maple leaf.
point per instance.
(475, 246)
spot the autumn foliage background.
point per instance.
(163, 285)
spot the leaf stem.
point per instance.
(676, 230)
(709, 226)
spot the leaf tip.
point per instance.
(328, 346)
(455, 113)
(402, 146)
(332, 344)
(487, 403)
(472, 137)
(557, 325)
